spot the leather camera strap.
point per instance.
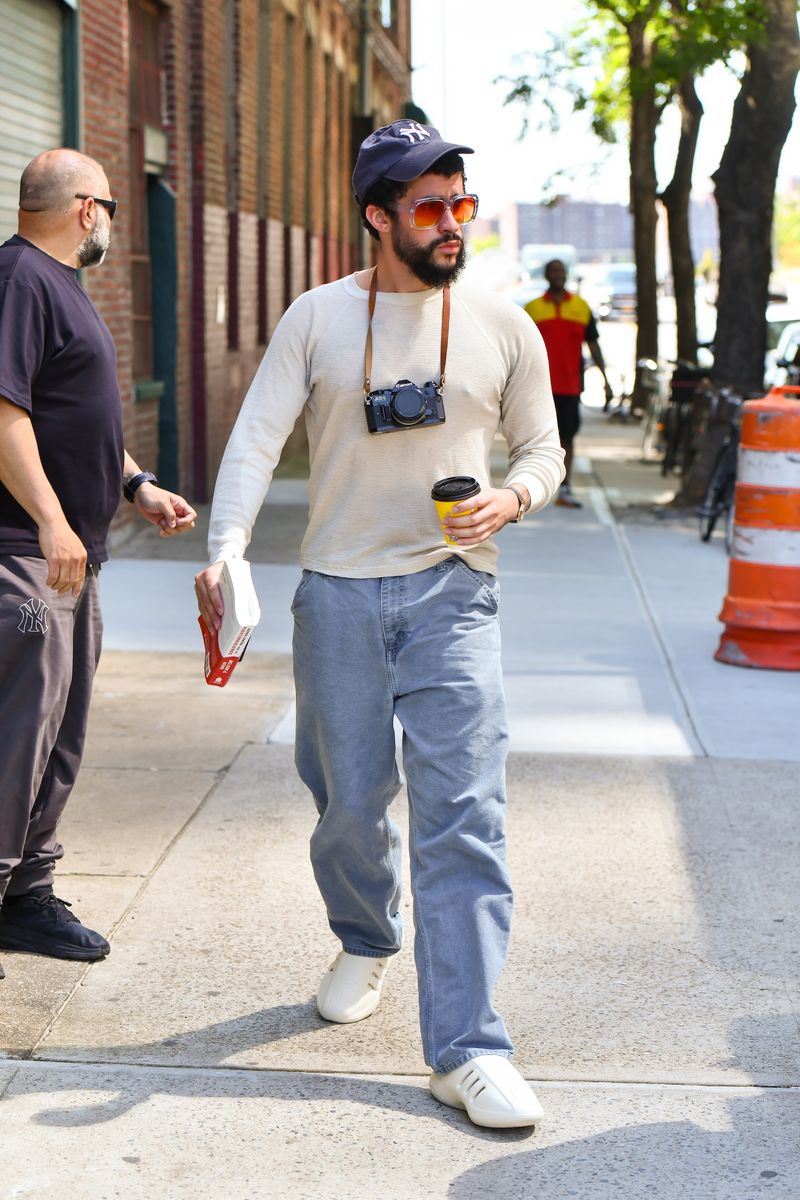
(373, 293)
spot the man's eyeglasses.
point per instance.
(109, 205)
(427, 212)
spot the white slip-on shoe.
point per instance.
(351, 988)
(491, 1090)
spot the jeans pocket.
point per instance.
(489, 587)
(305, 579)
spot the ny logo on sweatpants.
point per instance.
(33, 616)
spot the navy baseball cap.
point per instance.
(402, 151)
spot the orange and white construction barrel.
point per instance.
(761, 612)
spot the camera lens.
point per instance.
(407, 404)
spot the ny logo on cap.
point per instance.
(34, 616)
(414, 132)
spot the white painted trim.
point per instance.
(772, 547)
(769, 468)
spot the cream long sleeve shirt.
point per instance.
(370, 509)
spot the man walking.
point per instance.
(404, 377)
(565, 322)
(62, 467)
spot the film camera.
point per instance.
(404, 406)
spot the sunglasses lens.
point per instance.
(428, 213)
(464, 209)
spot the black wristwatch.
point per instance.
(524, 504)
(130, 488)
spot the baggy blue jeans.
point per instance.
(423, 647)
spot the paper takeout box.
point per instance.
(224, 647)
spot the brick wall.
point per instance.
(258, 106)
(217, 374)
(274, 273)
(316, 253)
(105, 137)
(248, 282)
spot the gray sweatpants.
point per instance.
(49, 649)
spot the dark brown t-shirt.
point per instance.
(58, 362)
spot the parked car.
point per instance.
(616, 294)
(783, 358)
(778, 317)
(533, 287)
(582, 280)
(783, 342)
(528, 291)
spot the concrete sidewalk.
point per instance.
(609, 617)
(652, 986)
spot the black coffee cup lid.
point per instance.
(455, 487)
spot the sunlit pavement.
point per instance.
(652, 986)
(609, 621)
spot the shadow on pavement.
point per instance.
(672, 1160)
(127, 1085)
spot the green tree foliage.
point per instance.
(622, 65)
(592, 67)
(787, 231)
(487, 241)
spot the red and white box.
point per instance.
(225, 646)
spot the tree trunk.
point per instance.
(745, 191)
(676, 198)
(644, 120)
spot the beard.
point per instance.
(419, 259)
(92, 249)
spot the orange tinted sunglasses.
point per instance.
(427, 212)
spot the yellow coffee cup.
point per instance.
(447, 493)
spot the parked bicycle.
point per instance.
(618, 406)
(686, 386)
(719, 502)
(654, 384)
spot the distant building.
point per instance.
(599, 232)
(704, 228)
(483, 227)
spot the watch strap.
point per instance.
(523, 503)
(130, 488)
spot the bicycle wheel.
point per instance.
(685, 451)
(718, 493)
(670, 438)
(650, 429)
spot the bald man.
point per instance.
(62, 470)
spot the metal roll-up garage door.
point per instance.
(31, 93)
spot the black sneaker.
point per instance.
(40, 923)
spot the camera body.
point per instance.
(404, 406)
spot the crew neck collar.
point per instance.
(400, 299)
(71, 271)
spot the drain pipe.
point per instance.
(365, 107)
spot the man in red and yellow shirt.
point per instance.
(565, 322)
